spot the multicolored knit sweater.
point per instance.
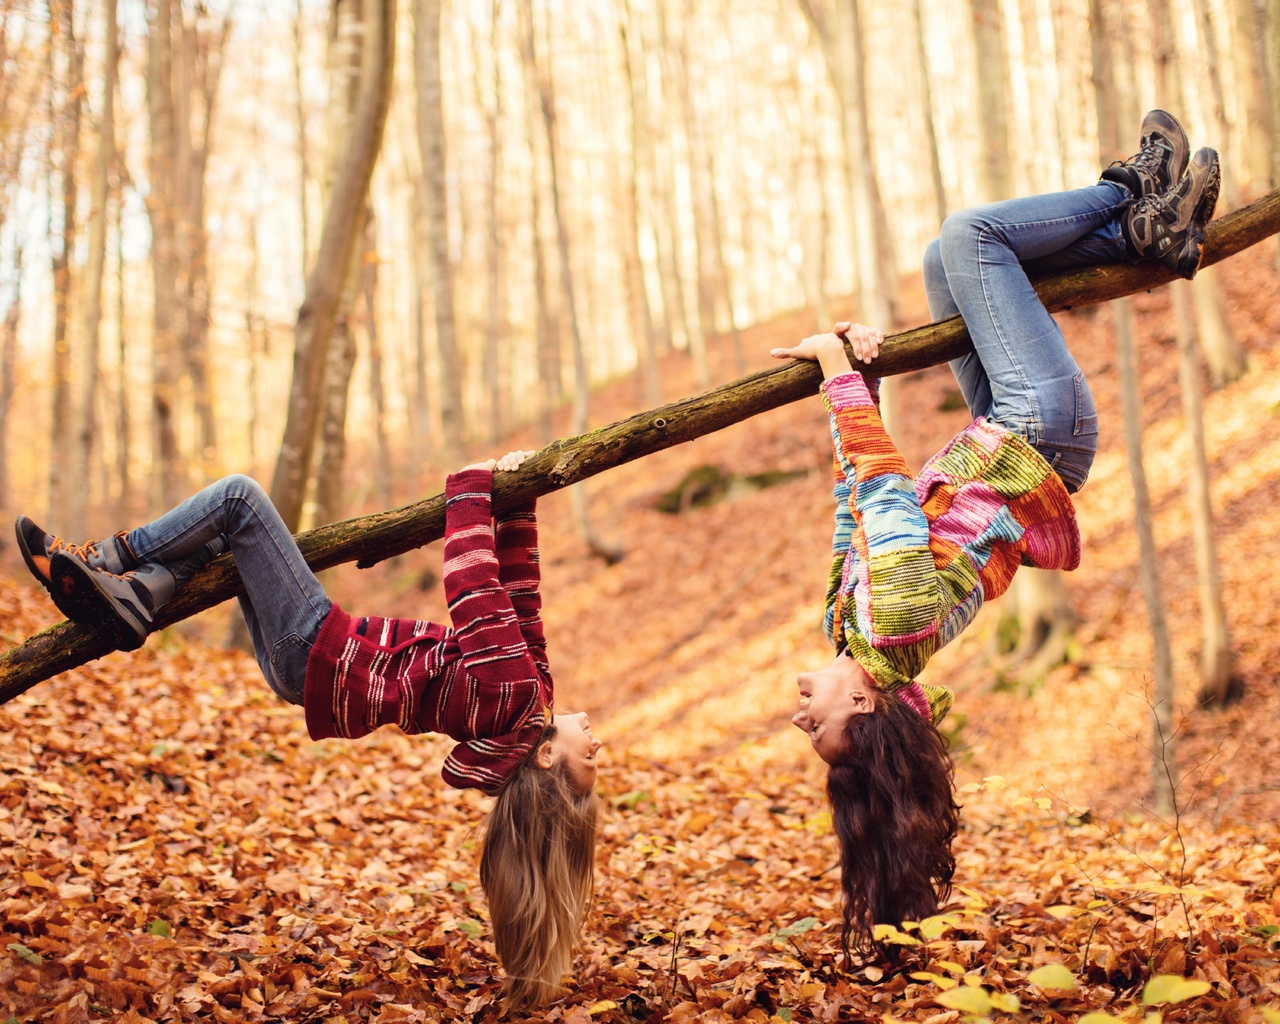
(915, 559)
(484, 682)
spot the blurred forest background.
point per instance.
(435, 222)
(345, 246)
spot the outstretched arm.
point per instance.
(485, 622)
(519, 564)
(895, 592)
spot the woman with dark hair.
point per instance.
(484, 681)
(915, 558)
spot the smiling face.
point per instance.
(828, 698)
(574, 744)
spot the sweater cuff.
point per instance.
(468, 480)
(848, 391)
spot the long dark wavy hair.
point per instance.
(894, 812)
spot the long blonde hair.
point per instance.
(537, 869)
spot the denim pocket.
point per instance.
(1086, 425)
(289, 666)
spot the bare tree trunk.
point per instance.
(636, 185)
(1248, 54)
(995, 167)
(86, 420)
(548, 347)
(1230, 196)
(839, 32)
(430, 115)
(675, 77)
(300, 113)
(124, 430)
(702, 186)
(926, 89)
(1162, 730)
(8, 373)
(347, 29)
(1215, 652)
(169, 471)
(337, 238)
(496, 328)
(330, 493)
(66, 85)
(581, 380)
(1225, 356)
(369, 288)
(1271, 65)
(203, 45)
(420, 404)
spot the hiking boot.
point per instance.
(124, 603)
(1160, 160)
(1169, 228)
(37, 547)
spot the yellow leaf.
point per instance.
(941, 980)
(1172, 988)
(1005, 1001)
(888, 933)
(35, 881)
(993, 782)
(1044, 803)
(950, 966)
(811, 990)
(932, 927)
(979, 900)
(1061, 910)
(1097, 1017)
(600, 1007)
(966, 999)
(1269, 1014)
(1052, 976)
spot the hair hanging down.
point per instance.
(894, 812)
(537, 869)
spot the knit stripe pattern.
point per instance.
(484, 680)
(913, 560)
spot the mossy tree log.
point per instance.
(368, 540)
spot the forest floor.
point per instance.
(176, 848)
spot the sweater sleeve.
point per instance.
(485, 623)
(519, 572)
(892, 579)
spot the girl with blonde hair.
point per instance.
(484, 680)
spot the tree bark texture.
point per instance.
(371, 539)
(337, 238)
(95, 269)
(430, 113)
(66, 56)
(1161, 700)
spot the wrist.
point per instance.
(833, 357)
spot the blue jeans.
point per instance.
(283, 604)
(1021, 374)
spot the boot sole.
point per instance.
(1188, 262)
(28, 556)
(78, 598)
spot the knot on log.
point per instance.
(659, 423)
(564, 471)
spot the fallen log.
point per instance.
(368, 540)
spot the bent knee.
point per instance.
(240, 485)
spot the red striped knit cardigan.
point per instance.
(484, 681)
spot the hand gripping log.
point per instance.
(368, 540)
